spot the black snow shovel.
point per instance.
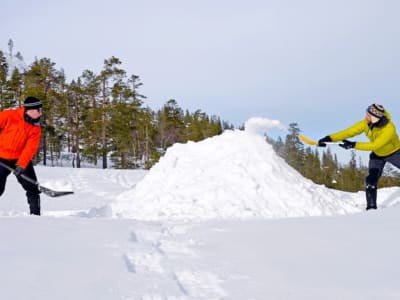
(44, 190)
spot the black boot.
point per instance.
(371, 194)
(34, 204)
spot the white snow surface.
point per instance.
(79, 249)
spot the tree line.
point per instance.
(100, 116)
(322, 166)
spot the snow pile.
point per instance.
(234, 175)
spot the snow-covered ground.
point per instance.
(220, 219)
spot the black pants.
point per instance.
(375, 169)
(32, 190)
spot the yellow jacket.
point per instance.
(383, 141)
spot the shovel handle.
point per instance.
(307, 140)
(27, 178)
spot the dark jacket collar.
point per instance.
(381, 123)
(34, 122)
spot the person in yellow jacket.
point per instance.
(384, 145)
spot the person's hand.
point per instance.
(18, 171)
(347, 144)
(322, 142)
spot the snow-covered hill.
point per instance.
(81, 249)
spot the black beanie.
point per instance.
(32, 103)
(376, 110)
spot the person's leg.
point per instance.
(32, 190)
(3, 177)
(394, 159)
(375, 168)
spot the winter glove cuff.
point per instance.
(322, 142)
(18, 171)
(347, 144)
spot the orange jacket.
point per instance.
(18, 139)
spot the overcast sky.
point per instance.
(315, 62)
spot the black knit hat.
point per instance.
(376, 110)
(32, 103)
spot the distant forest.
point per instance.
(97, 118)
(100, 117)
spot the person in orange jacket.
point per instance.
(384, 144)
(19, 141)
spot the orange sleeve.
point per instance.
(31, 148)
(3, 118)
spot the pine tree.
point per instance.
(349, 177)
(329, 169)
(19, 56)
(312, 166)
(10, 47)
(15, 86)
(3, 80)
(43, 81)
(109, 77)
(78, 104)
(195, 126)
(171, 126)
(294, 149)
(135, 84)
(91, 116)
(123, 127)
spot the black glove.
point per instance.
(347, 144)
(18, 171)
(322, 142)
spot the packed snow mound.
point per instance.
(234, 175)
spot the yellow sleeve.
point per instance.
(383, 139)
(353, 130)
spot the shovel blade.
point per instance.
(53, 193)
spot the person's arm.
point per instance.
(3, 118)
(353, 130)
(30, 149)
(387, 134)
